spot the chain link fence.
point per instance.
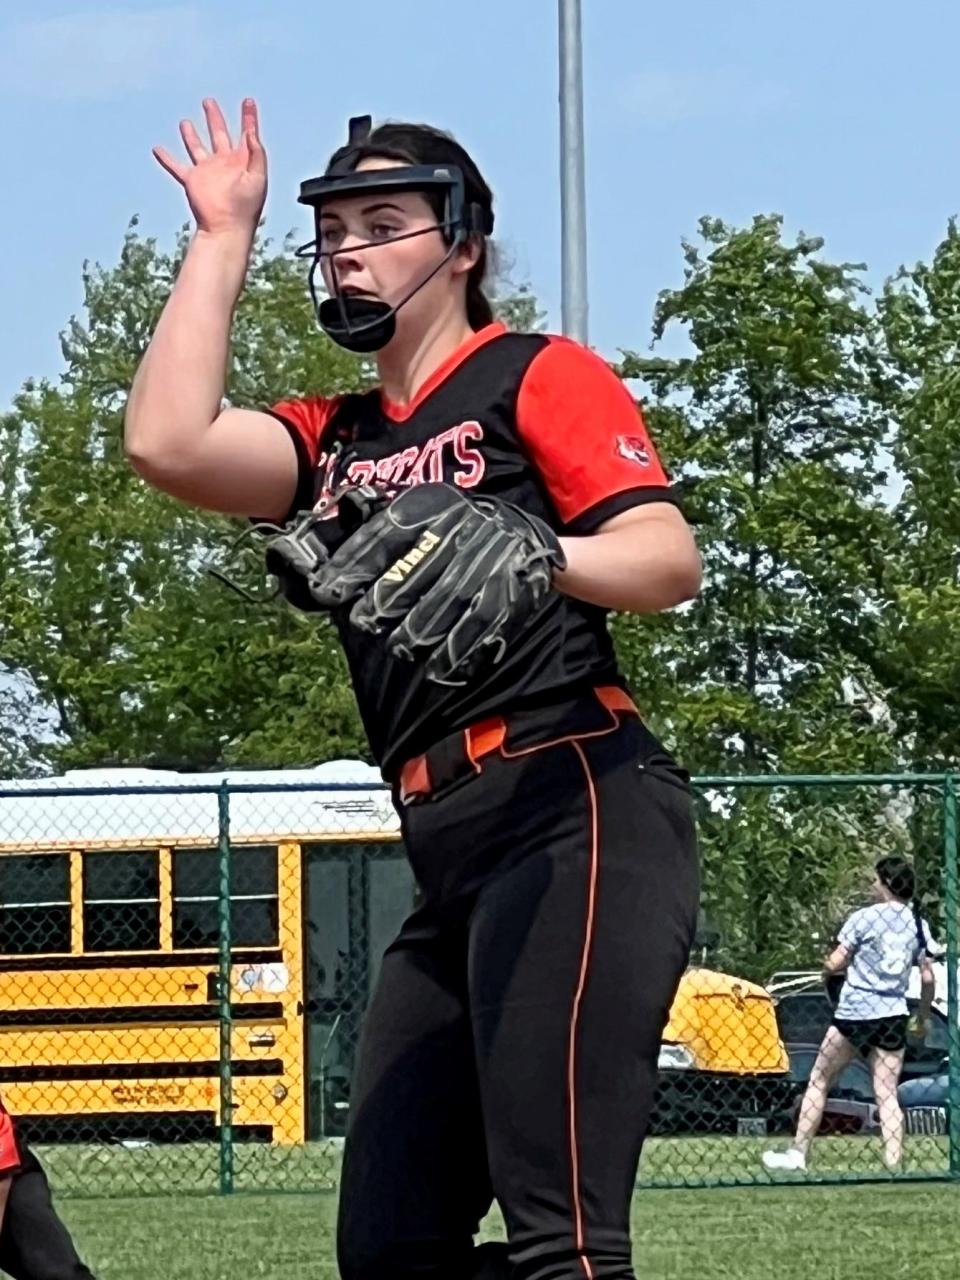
(186, 965)
(785, 862)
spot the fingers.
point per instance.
(220, 140)
(250, 138)
(256, 156)
(249, 119)
(478, 640)
(217, 126)
(191, 140)
(394, 596)
(166, 161)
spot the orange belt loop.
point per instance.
(415, 778)
(614, 698)
(484, 737)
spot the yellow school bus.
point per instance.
(113, 1020)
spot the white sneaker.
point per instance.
(789, 1161)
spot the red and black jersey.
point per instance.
(536, 420)
(10, 1158)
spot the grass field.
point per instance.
(789, 1232)
(115, 1171)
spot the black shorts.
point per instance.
(875, 1033)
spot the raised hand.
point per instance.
(226, 185)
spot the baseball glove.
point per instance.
(297, 551)
(450, 580)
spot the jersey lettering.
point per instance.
(453, 455)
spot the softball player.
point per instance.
(877, 948)
(466, 525)
(34, 1243)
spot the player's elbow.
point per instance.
(674, 579)
(157, 468)
(142, 460)
(676, 565)
(686, 575)
(143, 443)
(679, 579)
(167, 460)
(159, 443)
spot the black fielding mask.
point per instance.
(365, 325)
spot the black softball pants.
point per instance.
(510, 1049)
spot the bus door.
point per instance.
(356, 896)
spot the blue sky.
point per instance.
(843, 115)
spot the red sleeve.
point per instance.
(9, 1149)
(586, 437)
(305, 421)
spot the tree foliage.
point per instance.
(131, 651)
(813, 434)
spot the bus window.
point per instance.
(254, 913)
(121, 901)
(34, 903)
(327, 923)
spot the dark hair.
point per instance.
(423, 144)
(897, 875)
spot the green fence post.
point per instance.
(953, 1008)
(223, 991)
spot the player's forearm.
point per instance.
(643, 569)
(927, 992)
(179, 385)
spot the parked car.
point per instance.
(851, 1106)
(723, 1064)
(926, 1104)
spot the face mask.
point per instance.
(362, 324)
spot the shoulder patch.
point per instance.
(634, 449)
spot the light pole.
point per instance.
(573, 193)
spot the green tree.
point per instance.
(915, 650)
(517, 307)
(774, 436)
(773, 428)
(110, 627)
(108, 611)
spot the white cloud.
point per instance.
(661, 96)
(102, 55)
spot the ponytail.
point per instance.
(918, 921)
(479, 310)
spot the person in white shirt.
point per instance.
(877, 949)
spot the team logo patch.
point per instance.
(634, 449)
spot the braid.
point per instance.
(918, 921)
